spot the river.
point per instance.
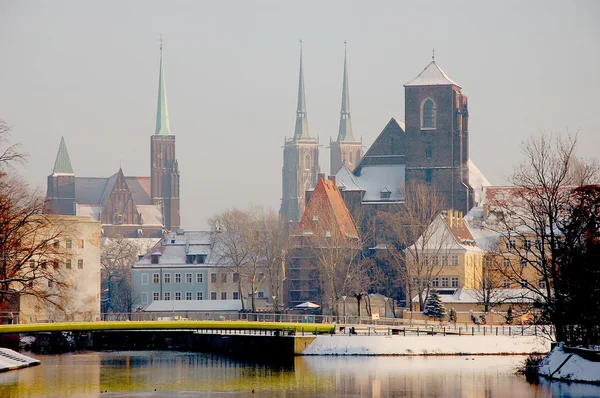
(186, 374)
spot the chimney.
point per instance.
(332, 179)
(321, 176)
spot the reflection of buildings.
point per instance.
(132, 207)
(76, 259)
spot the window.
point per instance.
(68, 263)
(80, 263)
(523, 282)
(55, 264)
(436, 261)
(428, 176)
(199, 278)
(213, 278)
(236, 277)
(177, 278)
(201, 258)
(80, 243)
(454, 281)
(56, 243)
(188, 278)
(428, 114)
(523, 262)
(144, 297)
(177, 295)
(198, 295)
(223, 295)
(506, 263)
(385, 194)
(527, 244)
(189, 259)
(513, 244)
(428, 152)
(236, 295)
(188, 295)
(435, 282)
(506, 284)
(538, 244)
(154, 258)
(454, 260)
(213, 295)
(350, 157)
(155, 296)
(167, 278)
(223, 278)
(43, 264)
(49, 283)
(31, 263)
(145, 279)
(541, 284)
(426, 260)
(167, 295)
(444, 260)
(445, 281)
(307, 162)
(155, 278)
(261, 294)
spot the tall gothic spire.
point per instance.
(345, 133)
(162, 113)
(301, 131)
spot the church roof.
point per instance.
(432, 75)
(344, 178)
(327, 214)
(62, 165)
(163, 126)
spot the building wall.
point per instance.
(298, 175)
(82, 301)
(348, 153)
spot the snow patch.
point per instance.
(575, 368)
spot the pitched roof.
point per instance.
(163, 125)
(432, 75)
(62, 165)
(326, 209)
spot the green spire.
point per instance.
(162, 113)
(62, 165)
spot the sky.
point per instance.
(88, 71)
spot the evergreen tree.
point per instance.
(452, 315)
(434, 307)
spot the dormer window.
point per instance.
(315, 218)
(201, 258)
(385, 193)
(428, 114)
(154, 258)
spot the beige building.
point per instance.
(75, 280)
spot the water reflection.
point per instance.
(182, 374)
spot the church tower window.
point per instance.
(428, 114)
(307, 162)
(350, 157)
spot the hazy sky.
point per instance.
(88, 71)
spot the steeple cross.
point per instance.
(161, 41)
(433, 54)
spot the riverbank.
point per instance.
(11, 360)
(427, 345)
(564, 364)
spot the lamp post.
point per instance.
(274, 303)
(344, 299)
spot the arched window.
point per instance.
(428, 114)
(307, 162)
(350, 157)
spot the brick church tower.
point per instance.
(164, 169)
(437, 135)
(300, 161)
(345, 150)
(60, 195)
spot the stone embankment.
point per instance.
(11, 360)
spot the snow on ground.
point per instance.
(10, 360)
(576, 368)
(426, 345)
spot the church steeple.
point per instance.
(345, 133)
(301, 131)
(62, 164)
(163, 126)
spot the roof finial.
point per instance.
(161, 42)
(433, 54)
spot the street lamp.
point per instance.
(274, 303)
(344, 299)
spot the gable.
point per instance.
(119, 204)
(388, 148)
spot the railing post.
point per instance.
(473, 331)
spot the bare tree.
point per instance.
(413, 238)
(490, 293)
(529, 218)
(273, 251)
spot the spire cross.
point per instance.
(433, 54)
(161, 41)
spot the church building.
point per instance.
(127, 206)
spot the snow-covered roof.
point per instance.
(477, 180)
(377, 177)
(151, 215)
(346, 180)
(473, 296)
(432, 75)
(193, 305)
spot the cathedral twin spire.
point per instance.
(345, 133)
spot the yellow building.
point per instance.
(72, 270)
